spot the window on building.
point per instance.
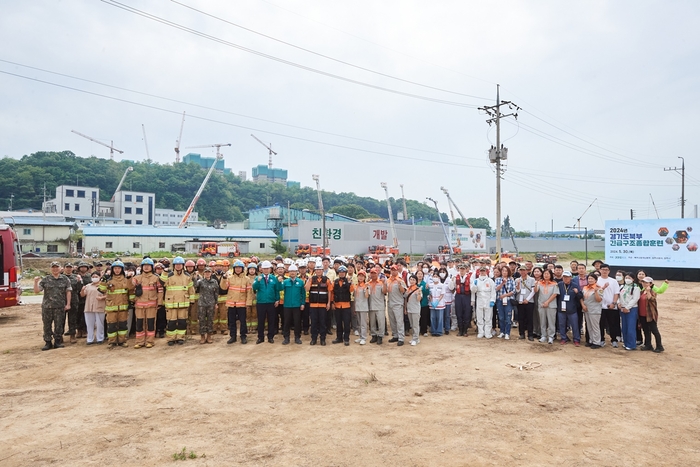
(77, 207)
(52, 248)
(262, 245)
(66, 207)
(127, 222)
(161, 244)
(70, 193)
(108, 244)
(127, 210)
(139, 199)
(127, 197)
(137, 244)
(26, 231)
(81, 193)
(139, 210)
(139, 222)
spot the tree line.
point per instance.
(225, 198)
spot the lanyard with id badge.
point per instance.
(566, 298)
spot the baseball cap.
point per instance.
(55, 264)
(648, 279)
(567, 274)
(462, 266)
(68, 265)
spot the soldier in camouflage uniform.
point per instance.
(208, 289)
(57, 297)
(76, 283)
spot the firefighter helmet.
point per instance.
(238, 264)
(226, 263)
(178, 260)
(212, 263)
(189, 263)
(147, 261)
(201, 262)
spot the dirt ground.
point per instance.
(447, 401)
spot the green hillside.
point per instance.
(225, 198)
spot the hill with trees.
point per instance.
(226, 197)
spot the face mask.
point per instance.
(482, 277)
(619, 278)
(95, 280)
(442, 275)
(628, 281)
(425, 270)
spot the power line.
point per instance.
(195, 32)
(237, 114)
(211, 120)
(318, 54)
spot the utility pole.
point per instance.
(498, 153)
(682, 172)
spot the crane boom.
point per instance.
(219, 156)
(179, 139)
(442, 224)
(121, 182)
(145, 141)
(452, 203)
(391, 216)
(110, 146)
(452, 215)
(403, 198)
(578, 221)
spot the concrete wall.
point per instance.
(148, 244)
(544, 245)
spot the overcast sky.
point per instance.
(608, 91)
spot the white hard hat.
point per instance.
(293, 267)
(266, 264)
(319, 266)
(288, 261)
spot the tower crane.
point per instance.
(110, 145)
(442, 224)
(403, 198)
(268, 147)
(121, 182)
(179, 140)
(219, 157)
(391, 216)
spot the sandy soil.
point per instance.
(448, 401)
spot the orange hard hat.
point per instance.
(219, 262)
(226, 263)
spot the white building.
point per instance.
(145, 239)
(172, 217)
(74, 201)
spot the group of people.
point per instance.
(324, 296)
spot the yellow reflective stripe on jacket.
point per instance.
(116, 307)
(116, 291)
(176, 287)
(177, 304)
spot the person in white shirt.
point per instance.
(610, 317)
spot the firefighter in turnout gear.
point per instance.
(221, 313)
(149, 296)
(239, 297)
(178, 290)
(193, 316)
(118, 289)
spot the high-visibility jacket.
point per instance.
(342, 288)
(240, 291)
(152, 290)
(223, 286)
(320, 290)
(117, 288)
(195, 276)
(178, 289)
